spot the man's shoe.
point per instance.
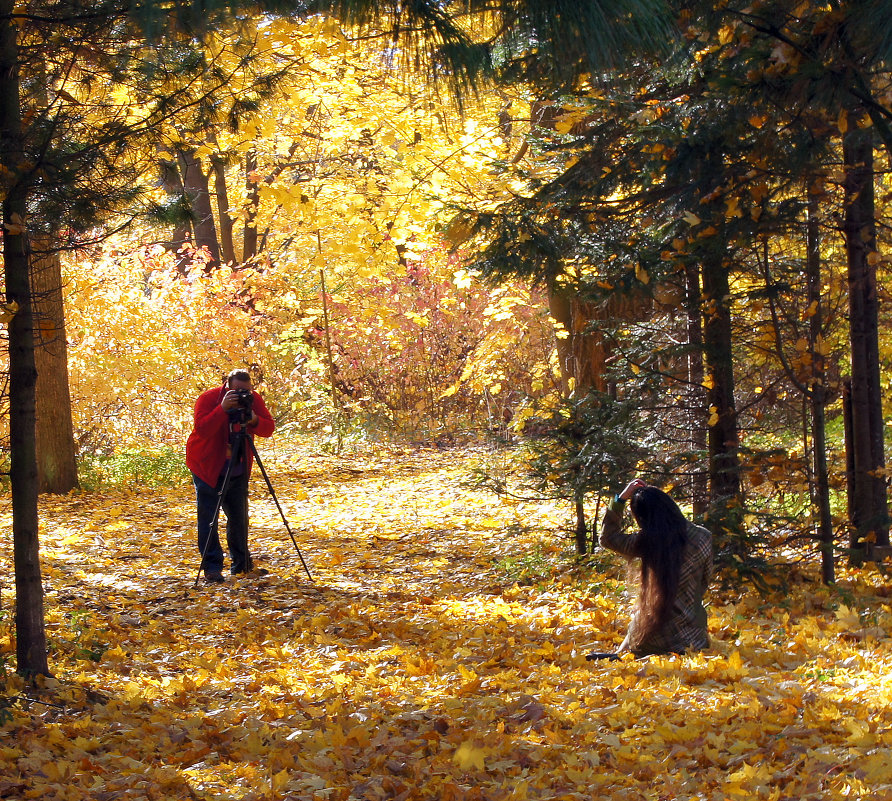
(214, 577)
(241, 569)
(251, 571)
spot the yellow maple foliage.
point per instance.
(351, 160)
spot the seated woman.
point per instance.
(676, 568)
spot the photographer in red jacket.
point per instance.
(220, 412)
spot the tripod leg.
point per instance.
(248, 560)
(214, 524)
(272, 492)
(227, 478)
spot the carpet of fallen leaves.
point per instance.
(438, 654)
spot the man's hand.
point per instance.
(230, 400)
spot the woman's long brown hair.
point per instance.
(663, 538)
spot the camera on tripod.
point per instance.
(243, 411)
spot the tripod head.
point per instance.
(239, 415)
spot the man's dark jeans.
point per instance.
(235, 505)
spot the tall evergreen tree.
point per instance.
(830, 70)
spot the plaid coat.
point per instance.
(685, 629)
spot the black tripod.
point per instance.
(238, 436)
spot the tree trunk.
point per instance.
(581, 533)
(722, 438)
(252, 186)
(173, 185)
(818, 394)
(56, 453)
(559, 308)
(582, 354)
(227, 243)
(31, 654)
(849, 436)
(697, 393)
(195, 183)
(868, 514)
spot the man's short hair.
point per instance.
(238, 375)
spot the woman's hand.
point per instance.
(634, 485)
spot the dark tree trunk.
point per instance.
(819, 394)
(722, 436)
(31, 654)
(227, 242)
(252, 185)
(849, 435)
(197, 188)
(581, 533)
(56, 453)
(173, 185)
(696, 393)
(868, 514)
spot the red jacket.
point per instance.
(207, 444)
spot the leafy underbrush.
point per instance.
(143, 467)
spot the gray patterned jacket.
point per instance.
(685, 630)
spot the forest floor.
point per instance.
(438, 653)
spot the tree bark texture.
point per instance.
(559, 306)
(581, 533)
(173, 185)
(31, 654)
(819, 394)
(696, 394)
(227, 240)
(868, 514)
(252, 188)
(583, 354)
(197, 188)
(722, 434)
(56, 452)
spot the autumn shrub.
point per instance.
(144, 339)
(779, 479)
(162, 466)
(417, 353)
(427, 351)
(148, 335)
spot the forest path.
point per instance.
(413, 666)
